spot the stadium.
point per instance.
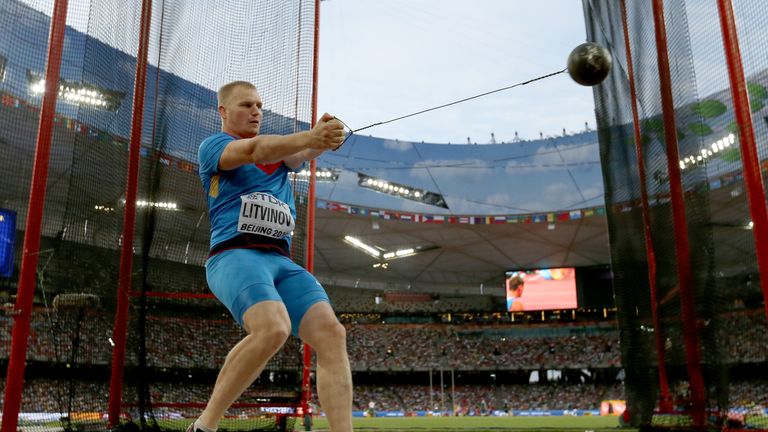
(642, 242)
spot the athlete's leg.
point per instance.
(313, 320)
(268, 327)
(323, 332)
(243, 280)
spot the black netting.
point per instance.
(728, 303)
(177, 335)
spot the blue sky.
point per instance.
(382, 59)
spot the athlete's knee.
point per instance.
(269, 324)
(273, 335)
(337, 332)
(334, 335)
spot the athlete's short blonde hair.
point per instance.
(225, 92)
(514, 282)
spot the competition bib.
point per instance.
(261, 213)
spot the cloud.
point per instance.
(500, 199)
(457, 171)
(401, 146)
(460, 205)
(548, 158)
(555, 196)
(563, 196)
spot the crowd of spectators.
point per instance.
(194, 343)
(745, 336)
(365, 301)
(171, 341)
(746, 393)
(484, 399)
(191, 342)
(168, 344)
(395, 332)
(47, 395)
(422, 347)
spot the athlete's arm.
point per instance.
(295, 160)
(265, 149)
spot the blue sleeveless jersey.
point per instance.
(253, 199)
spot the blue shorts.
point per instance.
(240, 278)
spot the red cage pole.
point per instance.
(22, 312)
(126, 253)
(680, 224)
(753, 180)
(306, 382)
(665, 404)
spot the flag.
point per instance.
(575, 214)
(563, 216)
(439, 219)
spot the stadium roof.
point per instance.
(527, 204)
(463, 255)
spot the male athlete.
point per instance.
(515, 285)
(252, 213)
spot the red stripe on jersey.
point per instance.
(269, 168)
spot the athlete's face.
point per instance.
(241, 114)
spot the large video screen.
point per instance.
(7, 241)
(543, 289)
